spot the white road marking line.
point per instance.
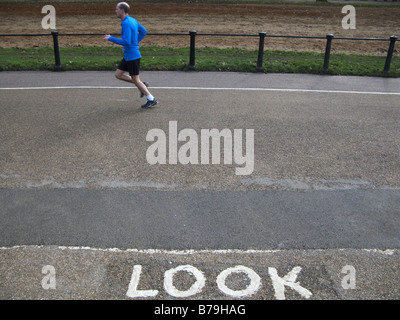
(194, 251)
(306, 184)
(209, 89)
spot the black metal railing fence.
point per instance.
(193, 35)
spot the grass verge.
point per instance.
(207, 59)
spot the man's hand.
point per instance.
(106, 36)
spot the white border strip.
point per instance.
(192, 251)
(207, 89)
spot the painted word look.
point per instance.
(279, 283)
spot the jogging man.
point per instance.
(132, 33)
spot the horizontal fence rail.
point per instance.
(193, 34)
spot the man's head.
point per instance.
(122, 9)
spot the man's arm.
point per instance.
(126, 38)
(141, 32)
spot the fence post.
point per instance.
(192, 49)
(329, 38)
(57, 66)
(260, 51)
(389, 54)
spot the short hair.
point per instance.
(124, 6)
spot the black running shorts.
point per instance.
(131, 66)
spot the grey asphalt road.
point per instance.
(75, 182)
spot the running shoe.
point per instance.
(149, 103)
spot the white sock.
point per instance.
(150, 97)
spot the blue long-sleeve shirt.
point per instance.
(132, 33)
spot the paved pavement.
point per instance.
(315, 217)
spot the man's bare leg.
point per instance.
(140, 85)
(123, 75)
